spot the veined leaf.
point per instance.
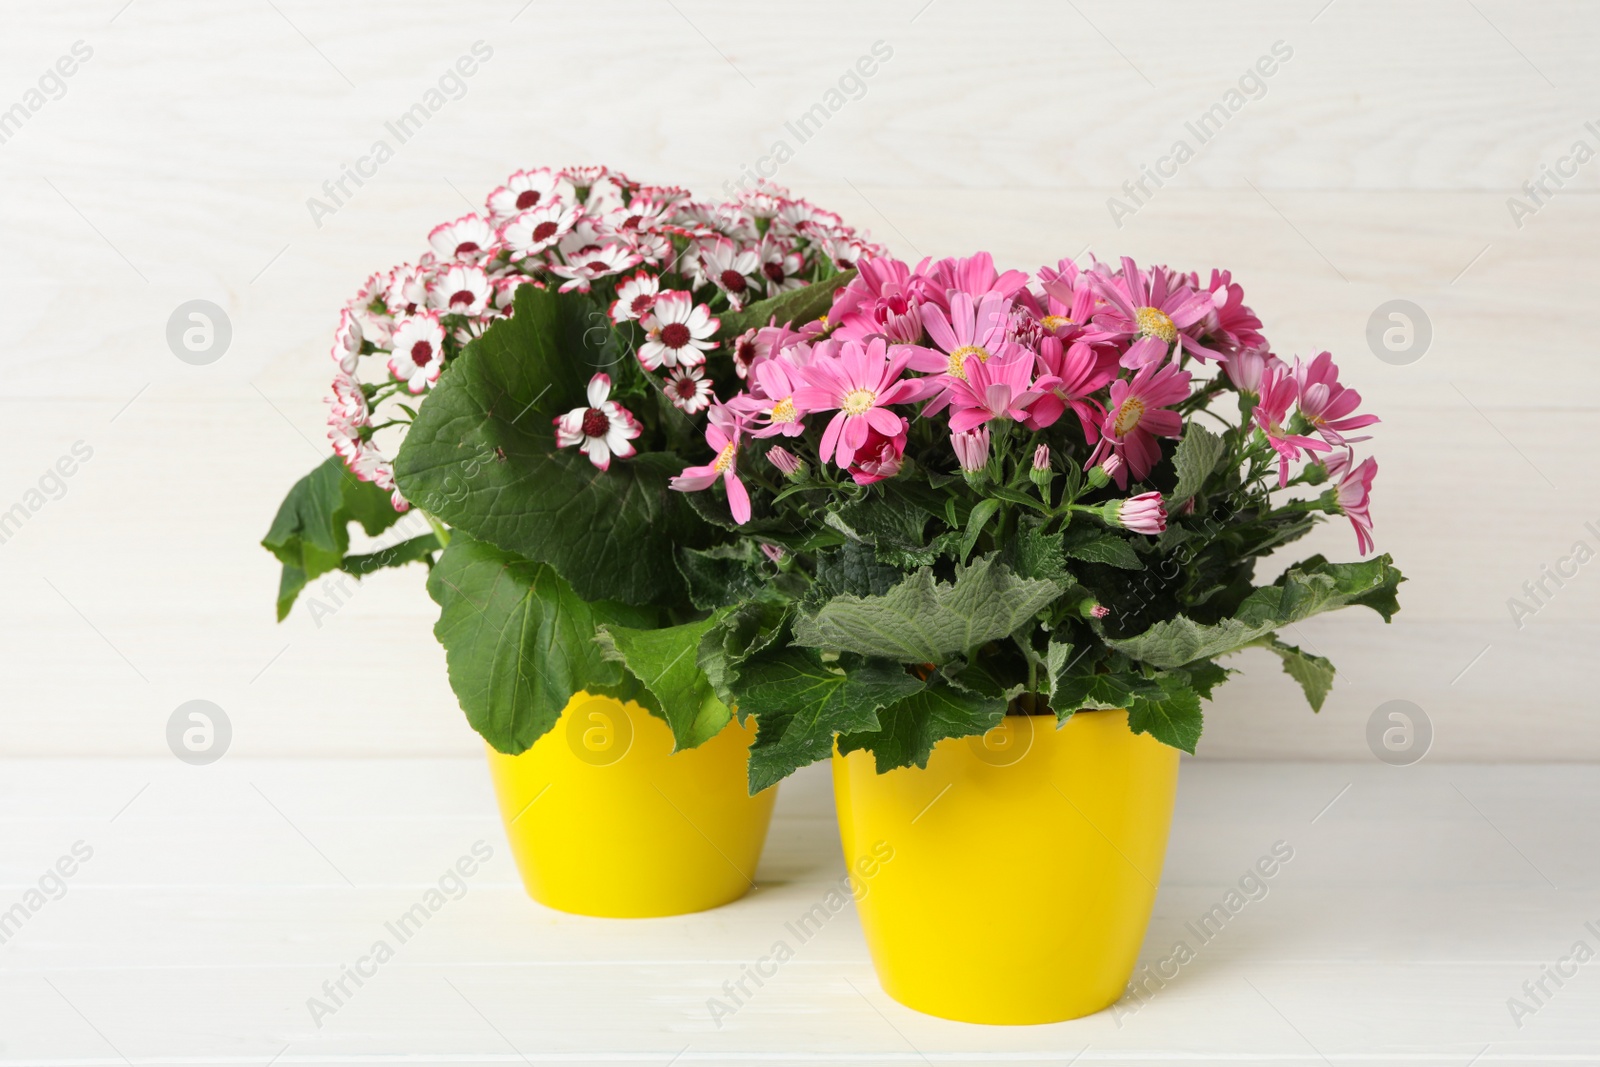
(799, 705)
(1173, 717)
(909, 728)
(1195, 459)
(1306, 589)
(518, 641)
(664, 660)
(1314, 673)
(311, 532)
(921, 620)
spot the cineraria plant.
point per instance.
(978, 493)
(529, 385)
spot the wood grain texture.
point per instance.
(1376, 164)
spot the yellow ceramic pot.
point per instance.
(1010, 881)
(605, 819)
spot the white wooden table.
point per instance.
(218, 900)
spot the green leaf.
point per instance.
(311, 532)
(1088, 688)
(1194, 460)
(799, 705)
(977, 519)
(794, 307)
(518, 641)
(1033, 553)
(1173, 718)
(722, 575)
(413, 550)
(1101, 546)
(854, 568)
(924, 621)
(665, 661)
(1058, 660)
(1304, 590)
(481, 455)
(1314, 673)
(909, 728)
(743, 632)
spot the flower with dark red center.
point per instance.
(678, 332)
(418, 354)
(537, 229)
(601, 429)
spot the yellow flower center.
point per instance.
(958, 359)
(1128, 415)
(1154, 322)
(724, 458)
(783, 411)
(858, 401)
(1055, 322)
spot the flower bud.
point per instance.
(1098, 478)
(787, 462)
(1141, 514)
(972, 451)
(1093, 609)
(1041, 473)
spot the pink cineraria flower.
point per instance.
(1142, 514)
(583, 269)
(858, 384)
(1137, 417)
(722, 434)
(972, 329)
(1070, 303)
(635, 297)
(879, 300)
(729, 268)
(348, 415)
(880, 456)
(677, 332)
(772, 396)
(972, 449)
(1233, 326)
(347, 342)
(525, 190)
(460, 291)
(1080, 370)
(1326, 404)
(418, 354)
(1353, 485)
(536, 230)
(602, 429)
(975, 277)
(689, 390)
(1272, 411)
(1154, 312)
(1000, 388)
(468, 239)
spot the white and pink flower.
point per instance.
(418, 354)
(678, 332)
(602, 429)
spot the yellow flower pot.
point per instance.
(605, 819)
(1021, 866)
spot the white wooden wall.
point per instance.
(1376, 165)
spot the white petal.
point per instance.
(599, 389)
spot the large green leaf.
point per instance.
(909, 728)
(311, 532)
(797, 306)
(665, 661)
(481, 455)
(518, 641)
(799, 705)
(1304, 590)
(1094, 545)
(922, 620)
